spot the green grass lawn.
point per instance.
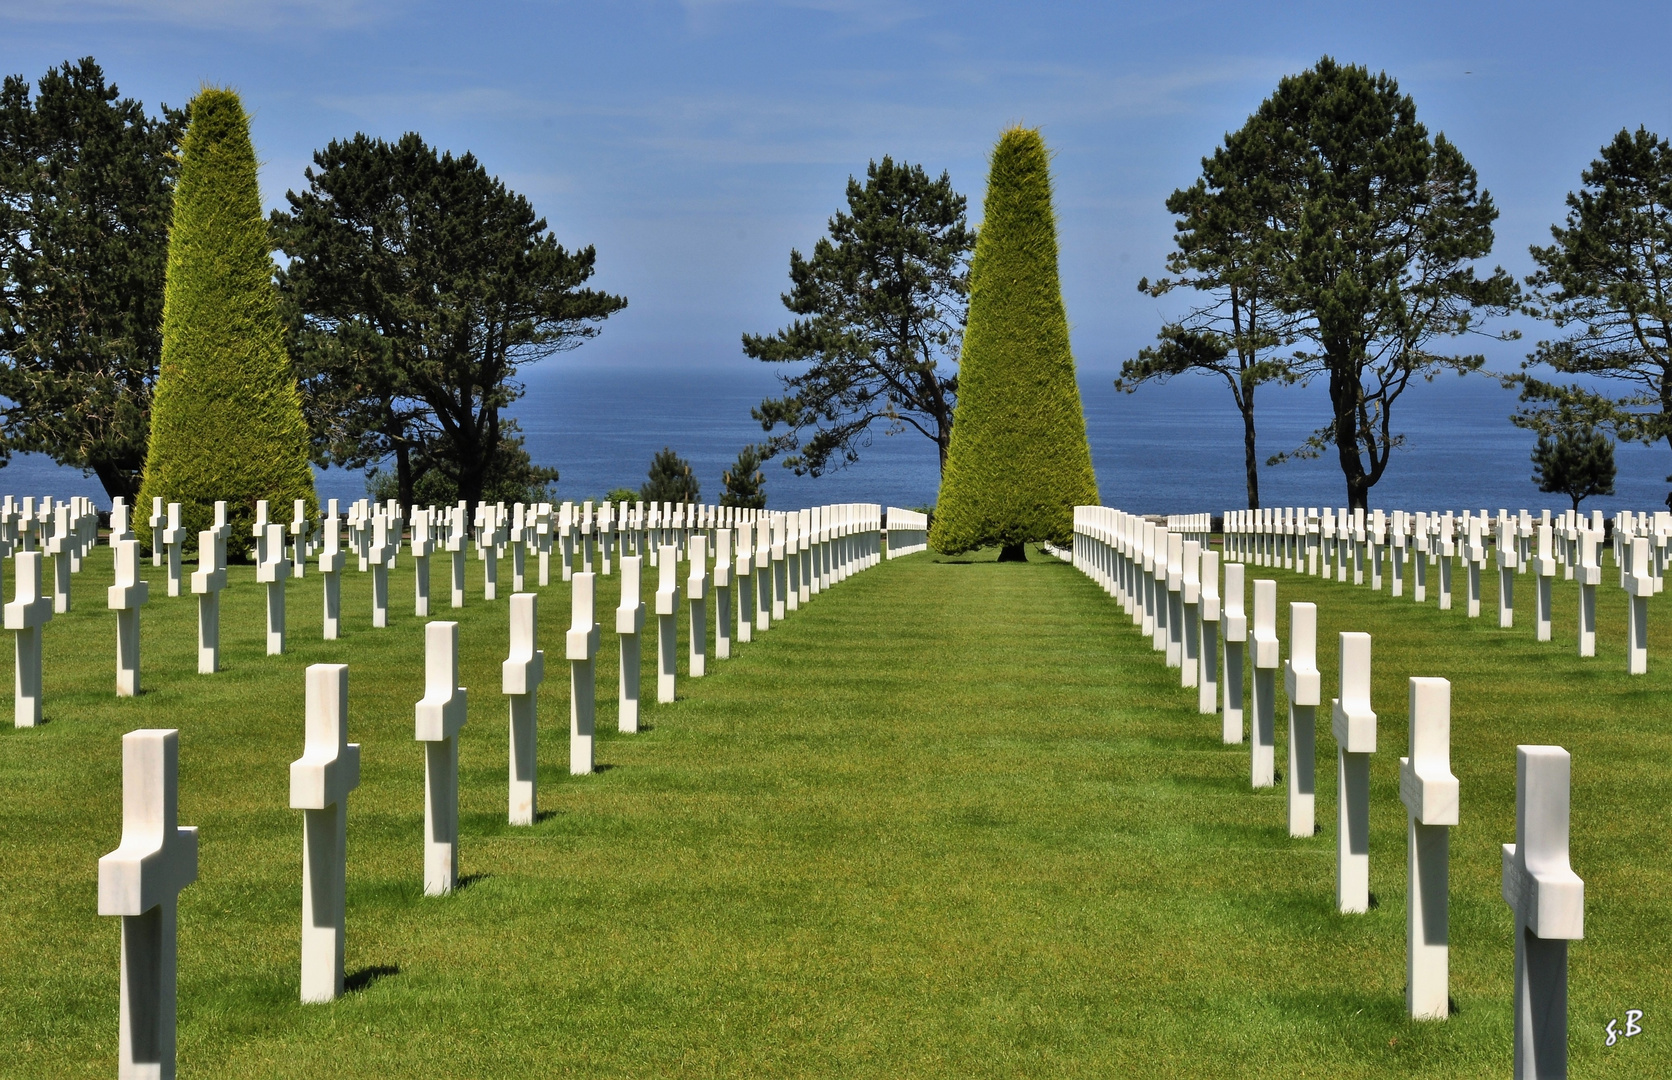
(953, 818)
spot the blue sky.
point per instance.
(695, 143)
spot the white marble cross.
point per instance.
(1175, 600)
(439, 715)
(141, 882)
(1263, 725)
(174, 540)
(763, 573)
(1548, 900)
(457, 536)
(423, 546)
(1303, 685)
(667, 621)
(696, 591)
(155, 521)
(581, 649)
(26, 613)
(125, 598)
(272, 571)
(1353, 723)
(1589, 576)
(1236, 638)
(629, 626)
(61, 546)
(780, 567)
(1546, 566)
(1207, 678)
(1509, 562)
(1190, 608)
(301, 533)
(521, 675)
(1640, 585)
(1430, 794)
(386, 541)
(207, 582)
(722, 593)
(320, 781)
(744, 572)
(331, 558)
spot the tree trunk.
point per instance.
(1250, 459)
(1013, 553)
(403, 473)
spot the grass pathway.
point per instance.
(952, 819)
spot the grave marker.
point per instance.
(581, 650)
(629, 625)
(1207, 681)
(207, 582)
(272, 571)
(667, 625)
(26, 614)
(520, 678)
(744, 571)
(1430, 794)
(320, 781)
(1640, 585)
(1304, 687)
(1546, 566)
(1190, 597)
(174, 540)
(1353, 723)
(439, 715)
(1263, 728)
(696, 589)
(331, 558)
(141, 882)
(125, 598)
(1548, 900)
(722, 593)
(1236, 635)
(1589, 576)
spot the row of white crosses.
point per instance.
(908, 531)
(1309, 541)
(1159, 577)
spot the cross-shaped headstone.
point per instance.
(1263, 726)
(1589, 575)
(385, 542)
(439, 716)
(629, 625)
(581, 650)
(667, 621)
(1545, 563)
(743, 571)
(320, 781)
(207, 582)
(125, 598)
(722, 593)
(26, 613)
(1236, 638)
(423, 546)
(1548, 900)
(696, 590)
(521, 675)
(331, 559)
(155, 522)
(763, 574)
(1207, 678)
(174, 543)
(1353, 723)
(1640, 585)
(457, 536)
(1429, 792)
(272, 571)
(1303, 685)
(141, 882)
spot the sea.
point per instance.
(1173, 448)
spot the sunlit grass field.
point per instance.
(953, 818)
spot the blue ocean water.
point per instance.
(1165, 449)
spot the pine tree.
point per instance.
(744, 482)
(671, 479)
(1578, 461)
(1019, 462)
(226, 420)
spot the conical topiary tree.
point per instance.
(1019, 462)
(226, 418)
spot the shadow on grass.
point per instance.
(467, 880)
(359, 980)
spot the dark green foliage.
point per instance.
(512, 478)
(671, 479)
(1576, 461)
(883, 301)
(418, 285)
(1227, 249)
(744, 482)
(621, 495)
(86, 179)
(226, 420)
(1019, 462)
(1609, 277)
(1374, 230)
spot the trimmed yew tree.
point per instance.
(1019, 462)
(226, 419)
